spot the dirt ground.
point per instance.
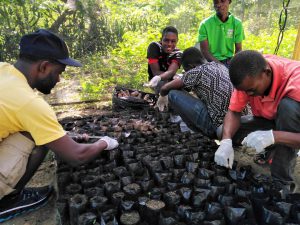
(48, 215)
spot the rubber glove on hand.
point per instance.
(162, 103)
(259, 140)
(224, 155)
(111, 143)
(153, 82)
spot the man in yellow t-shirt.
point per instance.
(28, 125)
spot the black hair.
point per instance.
(169, 29)
(246, 63)
(192, 56)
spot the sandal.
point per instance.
(263, 158)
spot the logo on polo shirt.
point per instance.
(230, 33)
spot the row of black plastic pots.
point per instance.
(226, 204)
(192, 186)
(163, 177)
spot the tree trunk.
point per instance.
(71, 9)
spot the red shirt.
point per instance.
(286, 83)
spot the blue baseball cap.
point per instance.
(43, 44)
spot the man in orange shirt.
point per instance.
(271, 85)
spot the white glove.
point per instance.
(111, 143)
(153, 82)
(259, 140)
(162, 103)
(224, 155)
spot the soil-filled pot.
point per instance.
(243, 193)
(271, 216)
(146, 185)
(186, 194)
(195, 217)
(205, 173)
(235, 215)
(77, 206)
(221, 180)
(241, 173)
(172, 199)
(214, 211)
(167, 162)
(295, 210)
(62, 207)
(142, 205)
(191, 167)
(173, 185)
(156, 193)
(135, 168)
(216, 190)
(154, 166)
(179, 161)
(219, 170)
(117, 198)
(97, 203)
(230, 188)
(162, 178)
(120, 171)
(177, 173)
(153, 209)
(206, 156)
(182, 210)
(168, 218)
(126, 180)
(111, 187)
(258, 201)
(193, 157)
(284, 208)
(205, 164)
(107, 177)
(204, 183)
(130, 218)
(187, 178)
(73, 189)
(109, 215)
(63, 179)
(246, 204)
(200, 197)
(132, 191)
(215, 222)
(110, 166)
(226, 200)
(114, 155)
(87, 219)
(94, 191)
(90, 181)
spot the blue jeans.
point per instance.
(287, 119)
(192, 111)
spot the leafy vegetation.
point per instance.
(111, 36)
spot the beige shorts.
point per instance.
(14, 153)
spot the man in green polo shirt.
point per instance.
(221, 35)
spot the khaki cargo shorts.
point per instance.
(14, 153)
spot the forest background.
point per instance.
(111, 37)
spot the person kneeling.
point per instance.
(210, 82)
